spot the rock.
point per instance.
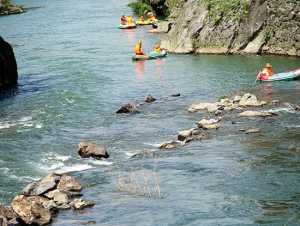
(214, 107)
(210, 127)
(183, 135)
(143, 153)
(68, 183)
(237, 99)
(52, 206)
(8, 214)
(251, 114)
(31, 210)
(269, 115)
(13, 222)
(173, 144)
(205, 122)
(52, 193)
(72, 194)
(248, 100)
(89, 204)
(253, 131)
(198, 107)
(128, 108)
(38, 188)
(176, 95)
(78, 204)
(274, 102)
(161, 27)
(190, 139)
(297, 108)
(88, 149)
(150, 98)
(54, 177)
(8, 65)
(64, 206)
(3, 220)
(61, 198)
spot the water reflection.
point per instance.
(269, 91)
(129, 33)
(139, 68)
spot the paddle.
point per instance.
(257, 76)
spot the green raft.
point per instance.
(163, 53)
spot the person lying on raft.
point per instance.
(266, 71)
(129, 19)
(138, 49)
(123, 19)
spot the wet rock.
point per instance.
(68, 183)
(190, 139)
(269, 115)
(176, 95)
(3, 220)
(89, 204)
(205, 122)
(64, 206)
(198, 107)
(31, 210)
(144, 153)
(52, 206)
(250, 100)
(128, 108)
(150, 98)
(171, 145)
(274, 102)
(52, 193)
(237, 99)
(183, 135)
(72, 194)
(78, 204)
(253, 131)
(54, 177)
(211, 127)
(13, 222)
(297, 108)
(61, 198)
(251, 114)
(88, 149)
(7, 213)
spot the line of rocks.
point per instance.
(40, 201)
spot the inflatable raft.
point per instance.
(283, 76)
(127, 26)
(141, 23)
(163, 53)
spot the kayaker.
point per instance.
(129, 19)
(123, 19)
(141, 19)
(157, 49)
(138, 49)
(266, 71)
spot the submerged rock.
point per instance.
(150, 98)
(128, 108)
(251, 114)
(171, 145)
(183, 135)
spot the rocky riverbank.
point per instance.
(7, 8)
(270, 27)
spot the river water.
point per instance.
(75, 72)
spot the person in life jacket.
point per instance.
(267, 71)
(129, 19)
(152, 18)
(123, 19)
(141, 19)
(157, 49)
(138, 49)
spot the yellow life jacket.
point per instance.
(137, 49)
(129, 20)
(157, 50)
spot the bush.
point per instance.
(140, 7)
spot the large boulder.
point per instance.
(8, 65)
(31, 210)
(88, 149)
(38, 188)
(68, 183)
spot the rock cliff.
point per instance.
(8, 65)
(272, 27)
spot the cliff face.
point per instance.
(7, 8)
(8, 65)
(272, 27)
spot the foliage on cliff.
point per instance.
(6, 8)
(140, 6)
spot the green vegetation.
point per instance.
(139, 7)
(218, 9)
(222, 97)
(267, 35)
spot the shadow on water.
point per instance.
(9, 92)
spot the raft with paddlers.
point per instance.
(127, 26)
(152, 55)
(283, 76)
(141, 23)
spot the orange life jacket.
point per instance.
(267, 72)
(129, 20)
(137, 49)
(123, 19)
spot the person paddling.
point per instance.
(267, 71)
(123, 19)
(138, 49)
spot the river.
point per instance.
(75, 72)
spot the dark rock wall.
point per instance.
(8, 65)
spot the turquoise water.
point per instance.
(75, 72)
